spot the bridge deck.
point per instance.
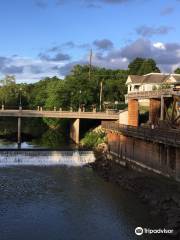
(59, 114)
(170, 137)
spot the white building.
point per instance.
(151, 81)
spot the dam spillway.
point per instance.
(45, 158)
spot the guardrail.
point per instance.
(169, 136)
(152, 94)
(60, 114)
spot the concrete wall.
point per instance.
(74, 130)
(123, 117)
(156, 157)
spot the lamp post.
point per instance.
(20, 98)
(100, 95)
(80, 100)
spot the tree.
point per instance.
(8, 80)
(141, 66)
(177, 71)
(82, 90)
(135, 65)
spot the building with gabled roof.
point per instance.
(151, 81)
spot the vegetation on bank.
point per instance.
(93, 138)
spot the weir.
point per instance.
(45, 158)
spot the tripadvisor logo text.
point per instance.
(140, 231)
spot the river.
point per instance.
(65, 202)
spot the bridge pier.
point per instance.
(154, 110)
(133, 112)
(19, 132)
(74, 130)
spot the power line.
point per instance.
(90, 64)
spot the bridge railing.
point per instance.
(168, 136)
(154, 93)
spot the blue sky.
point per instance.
(42, 38)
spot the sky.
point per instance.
(44, 38)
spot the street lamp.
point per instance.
(20, 98)
(80, 99)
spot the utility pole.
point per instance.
(90, 64)
(100, 95)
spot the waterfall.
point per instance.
(45, 158)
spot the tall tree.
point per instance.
(177, 71)
(135, 65)
(141, 66)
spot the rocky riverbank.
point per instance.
(161, 194)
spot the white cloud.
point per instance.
(159, 45)
(31, 69)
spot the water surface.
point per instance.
(54, 203)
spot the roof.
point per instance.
(176, 77)
(136, 79)
(156, 78)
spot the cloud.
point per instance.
(4, 61)
(103, 44)
(166, 54)
(93, 5)
(57, 57)
(68, 45)
(115, 1)
(159, 45)
(108, 1)
(27, 69)
(12, 69)
(41, 3)
(146, 31)
(167, 11)
(60, 2)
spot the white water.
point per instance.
(45, 158)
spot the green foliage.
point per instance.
(177, 71)
(82, 90)
(93, 138)
(8, 80)
(75, 90)
(141, 66)
(51, 138)
(164, 86)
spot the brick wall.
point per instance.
(133, 112)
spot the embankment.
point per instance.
(161, 194)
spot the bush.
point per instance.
(93, 138)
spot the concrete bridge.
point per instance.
(60, 114)
(74, 117)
